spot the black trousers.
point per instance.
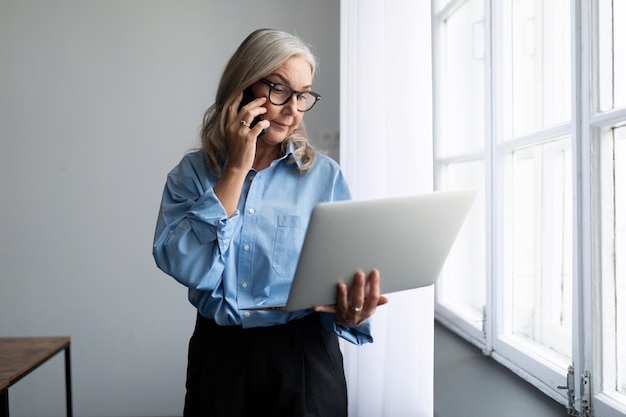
(293, 370)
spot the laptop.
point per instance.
(406, 238)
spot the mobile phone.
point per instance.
(248, 96)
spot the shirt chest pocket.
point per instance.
(290, 233)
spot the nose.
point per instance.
(292, 104)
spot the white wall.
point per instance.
(98, 101)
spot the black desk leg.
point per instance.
(4, 403)
(68, 383)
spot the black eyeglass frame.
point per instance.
(298, 94)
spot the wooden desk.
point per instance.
(19, 356)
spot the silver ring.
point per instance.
(243, 122)
(357, 309)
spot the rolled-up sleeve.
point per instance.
(193, 231)
(355, 335)
(230, 264)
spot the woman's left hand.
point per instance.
(357, 303)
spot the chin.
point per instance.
(277, 137)
(270, 139)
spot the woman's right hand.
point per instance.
(240, 138)
(241, 147)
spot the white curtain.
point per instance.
(386, 150)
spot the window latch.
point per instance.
(585, 399)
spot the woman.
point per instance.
(231, 225)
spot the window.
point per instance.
(537, 246)
(461, 158)
(612, 287)
(530, 109)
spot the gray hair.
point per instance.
(260, 54)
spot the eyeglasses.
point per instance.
(281, 93)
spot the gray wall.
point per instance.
(98, 101)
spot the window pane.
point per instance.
(612, 54)
(461, 107)
(538, 222)
(619, 53)
(461, 286)
(539, 43)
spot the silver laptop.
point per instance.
(406, 238)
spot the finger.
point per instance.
(232, 109)
(233, 120)
(357, 290)
(342, 298)
(252, 109)
(258, 128)
(374, 284)
(341, 306)
(372, 296)
(382, 300)
(328, 308)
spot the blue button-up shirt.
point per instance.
(249, 259)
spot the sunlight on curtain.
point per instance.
(386, 150)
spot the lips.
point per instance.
(281, 125)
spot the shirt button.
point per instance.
(244, 285)
(251, 211)
(246, 247)
(247, 314)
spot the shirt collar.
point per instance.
(289, 151)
